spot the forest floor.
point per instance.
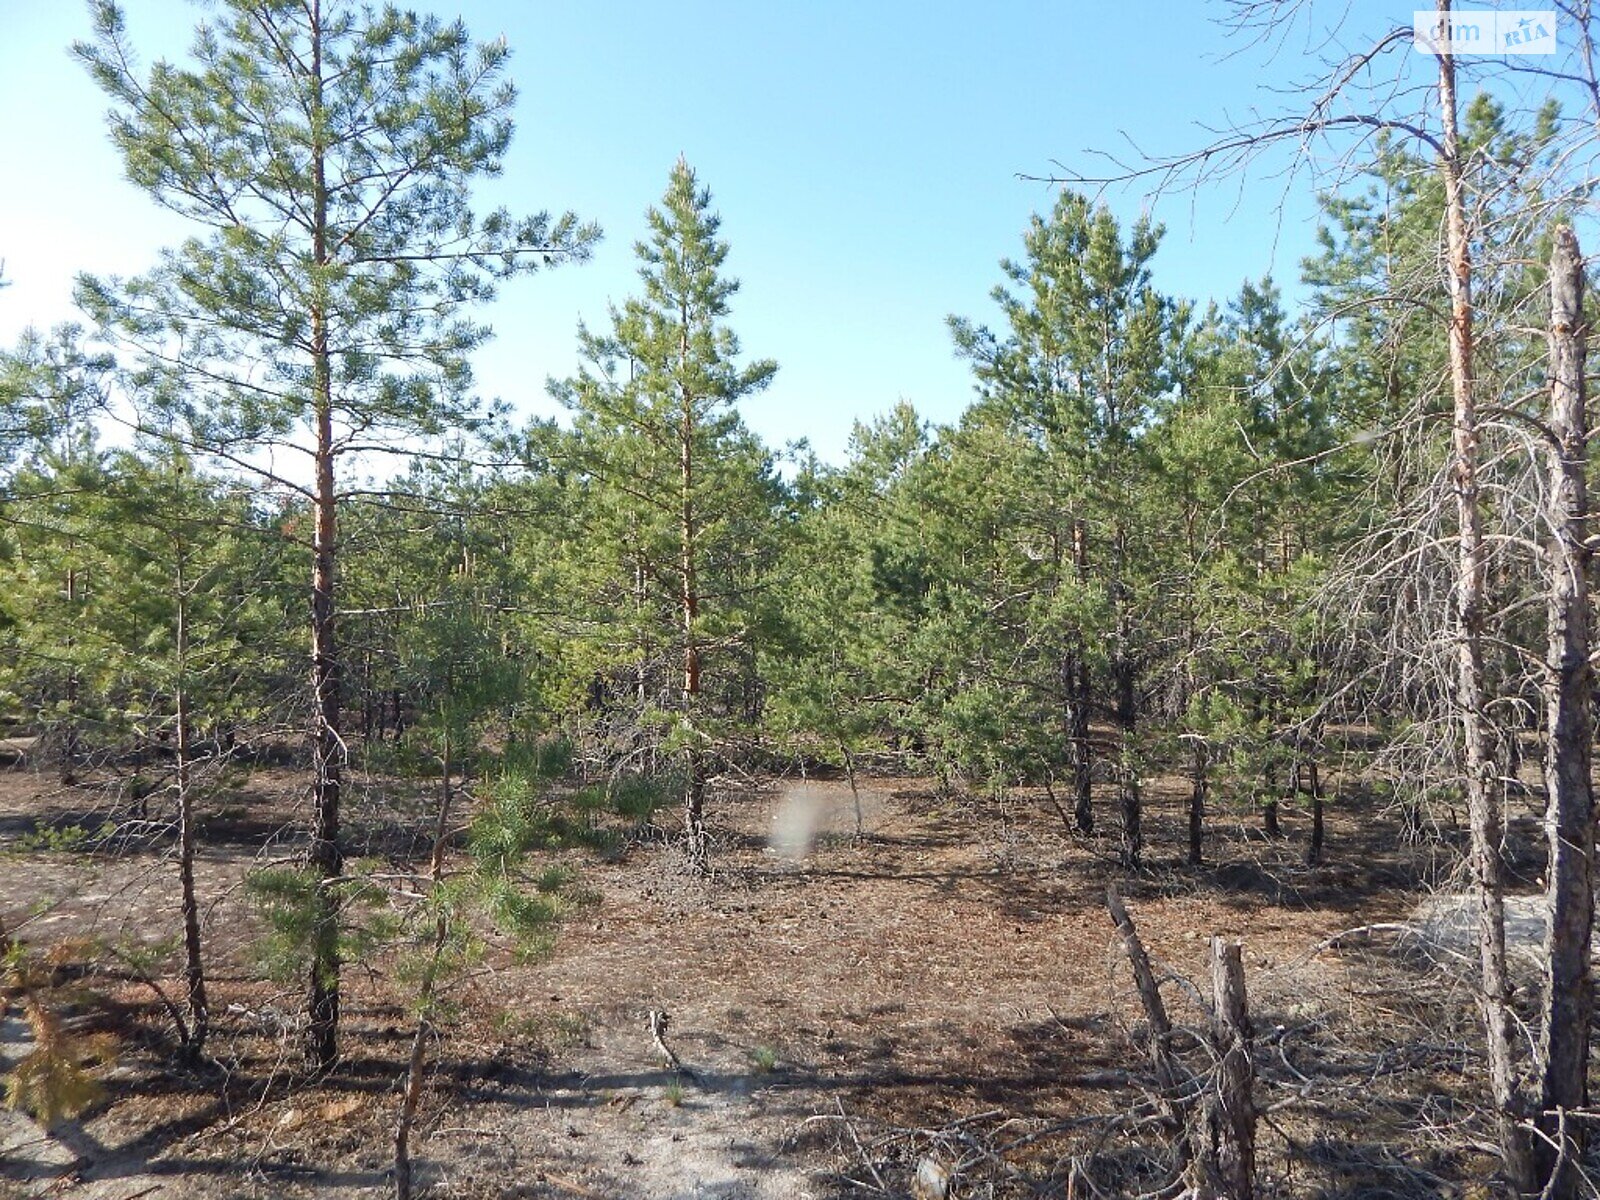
(944, 987)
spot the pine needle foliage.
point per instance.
(56, 1080)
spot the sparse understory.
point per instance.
(944, 989)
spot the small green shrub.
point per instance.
(52, 840)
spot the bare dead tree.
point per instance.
(1480, 775)
(1232, 1111)
(1212, 1107)
(1568, 1000)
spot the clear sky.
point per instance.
(864, 155)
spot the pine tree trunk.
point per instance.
(855, 790)
(1082, 747)
(326, 854)
(694, 799)
(1483, 806)
(411, 1093)
(1075, 677)
(366, 695)
(1128, 796)
(641, 670)
(1568, 998)
(1125, 678)
(410, 1101)
(70, 735)
(194, 977)
(1318, 831)
(1291, 792)
(1199, 785)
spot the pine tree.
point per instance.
(1088, 349)
(325, 152)
(679, 486)
(198, 604)
(840, 682)
(52, 391)
(1237, 453)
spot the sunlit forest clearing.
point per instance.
(1171, 778)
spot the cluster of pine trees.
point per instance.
(1163, 537)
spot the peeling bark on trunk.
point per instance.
(1568, 998)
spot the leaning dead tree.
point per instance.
(1212, 1105)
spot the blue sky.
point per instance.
(864, 155)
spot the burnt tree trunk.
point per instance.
(1568, 998)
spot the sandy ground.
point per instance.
(953, 962)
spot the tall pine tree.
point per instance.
(325, 152)
(683, 492)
